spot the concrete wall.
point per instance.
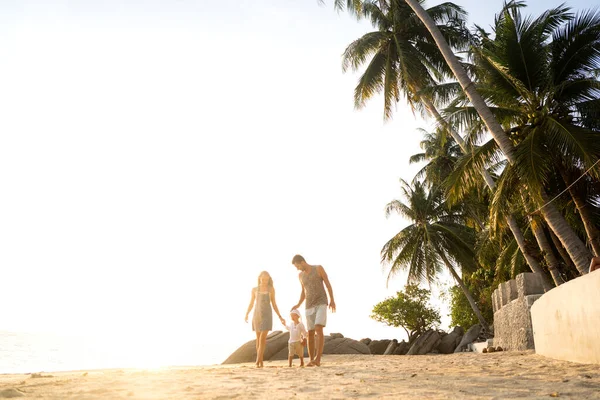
(512, 301)
(566, 321)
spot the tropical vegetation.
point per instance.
(511, 173)
(410, 309)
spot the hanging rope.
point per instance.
(568, 187)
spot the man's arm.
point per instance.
(302, 295)
(325, 278)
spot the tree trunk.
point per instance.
(533, 264)
(460, 282)
(542, 240)
(570, 269)
(465, 82)
(580, 255)
(593, 233)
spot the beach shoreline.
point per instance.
(462, 375)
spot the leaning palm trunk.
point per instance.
(514, 227)
(570, 269)
(575, 247)
(542, 240)
(460, 282)
(593, 233)
(591, 230)
(465, 82)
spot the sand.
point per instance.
(504, 375)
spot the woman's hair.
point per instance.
(270, 279)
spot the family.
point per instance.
(313, 280)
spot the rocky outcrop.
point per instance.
(425, 343)
(402, 348)
(277, 348)
(391, 348)
(468, 338)
(379, 346)
(451, 341)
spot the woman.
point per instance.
(262, 321)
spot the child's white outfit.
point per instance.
(297, 332)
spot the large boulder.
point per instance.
(402, 348)
(379, 346)
(276, 341)
(277, 348)
(391, 348)
(425, 343)
(343, 345)
(450, 341)
(468, 338)
(366, 341)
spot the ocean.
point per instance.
(37, 352)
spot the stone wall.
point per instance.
(566, 321)
(512, 302)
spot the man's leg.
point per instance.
(319, 343)
(311, 345)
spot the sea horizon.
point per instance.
(34, 352)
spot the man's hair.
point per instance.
(297, 259)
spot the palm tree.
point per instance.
(540, 87)
(404, 60)
(435, 238)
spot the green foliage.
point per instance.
(481, 285)
(409, 309)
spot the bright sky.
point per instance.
(155, 156)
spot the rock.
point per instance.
(379, 346)
(391, 348)
(344, 346)
(277, 348)
(276, 341)
(498, 348)
(450, 341)
(366, 341)
(402, 348)
(425, 343)
(485, 350)
(468, 338)
(491, 349)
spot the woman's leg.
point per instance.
(261, 348)
(257, 345)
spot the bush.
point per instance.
(410, 310)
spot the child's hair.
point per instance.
(270, 279)
(295, 311)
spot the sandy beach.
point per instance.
(504, 375)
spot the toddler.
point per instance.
(298, 335)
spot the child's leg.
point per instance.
(290, 358)
(302, 359)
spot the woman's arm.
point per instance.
(275, 306)
(252, 297)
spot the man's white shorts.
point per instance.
(316, 315)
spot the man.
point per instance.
(594, 264)
(312, 278)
